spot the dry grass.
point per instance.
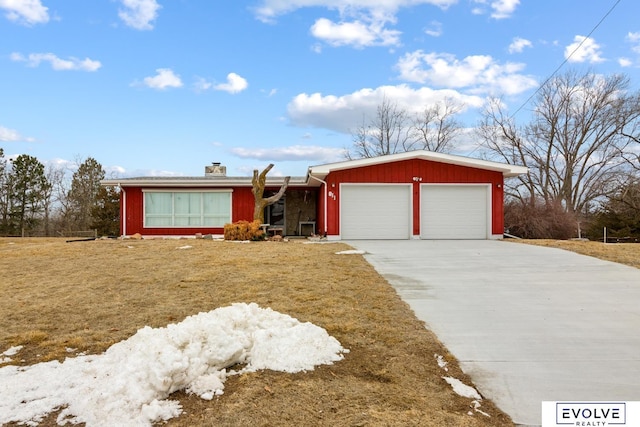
(623, 253)
(90, 295)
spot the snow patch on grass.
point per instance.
(351, 252)
(12, 351)
(462, 389)
(129, 384)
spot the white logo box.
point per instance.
(591, 413)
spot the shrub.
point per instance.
(244, 230)
(539, 220)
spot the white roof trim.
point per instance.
(318, 172)
(506, 169)
(196, 182)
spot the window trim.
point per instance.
(173, 214)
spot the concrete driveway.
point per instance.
(527, 323)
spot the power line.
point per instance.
(566, 59)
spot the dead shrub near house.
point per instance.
(539, 220)
(244, 230)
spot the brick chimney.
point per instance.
(216, 169)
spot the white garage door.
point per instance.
(454, 212)
(375, 211)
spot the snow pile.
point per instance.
(351, 252)
(130, 382)
(4, 357)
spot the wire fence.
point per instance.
(56, 233)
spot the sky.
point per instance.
(165, 88)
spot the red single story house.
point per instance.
(412, 195)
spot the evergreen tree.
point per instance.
(28, 187)
(620, 214)
(106, 212)
(85, 185)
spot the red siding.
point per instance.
(416, 171)
(320, 211)
(241, 208)
(413, 171)
(242, 205)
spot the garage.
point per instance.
(454, 211)
(375, 211)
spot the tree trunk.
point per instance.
(259, 182)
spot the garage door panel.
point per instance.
(375, 212)
(453, 212)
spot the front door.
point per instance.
(275, 214)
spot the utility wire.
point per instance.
(566, 59)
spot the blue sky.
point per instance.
(158, 87)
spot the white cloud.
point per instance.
(269, 93)
(58, 64)
(362, 22)
(268, 10)
(625, 62)
(165, 78)
(26, 12)
(234, 84)
(11, 135)
(357, 33)
(634, 39)
(435, 29)
(291, 153)
(501, 9)
(583, 49)
(202, 85)
(345, 113)
(58, 163)
(476, 73)
(139, 14)
(518, 44)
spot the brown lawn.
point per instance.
(90, 295)
(623, 253)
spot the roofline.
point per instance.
(191, 182)
(507, 170)
(318, 172)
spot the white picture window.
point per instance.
(187, 209)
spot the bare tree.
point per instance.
(632, 156)
(394, 130)
(436, 127)
(573, 145)
(387, 133)
(259, 181)
(56, 177)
